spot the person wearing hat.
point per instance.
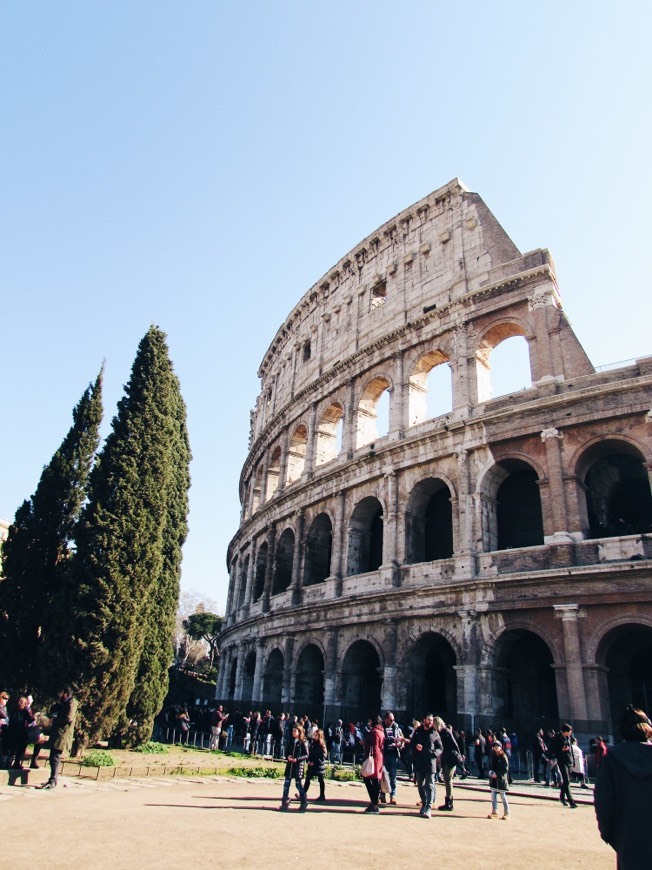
(498, 779)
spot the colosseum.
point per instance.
(410, 539)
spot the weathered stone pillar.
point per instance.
(462, 372)
(350, 423)
(288, 669)
(309, 463)
(256, 692)
(250, 576)
(388, 701)
(398, 402)
(297, 564)
(269, 567)
(569, 613)
(390, 530)
(239, 670)
(283, 464)
(331, 698)
(338, 556)
(547, 364)
(552, 438)
(463, 519)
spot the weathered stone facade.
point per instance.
(493, 562)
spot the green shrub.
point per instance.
(258, 772)
(344, 774)
(152, 748)
(98, 758)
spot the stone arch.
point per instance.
(361, 681)
(494, 335)
(429, 522)
(297, 453)
(624, 655)
(510, 504)
(318, 550)
(367, 416)
(420, 404)
(524, 681)
(329, 434)
(260, 571)
(273, 679)
(430, 677)
(365, 537)
(309, 681)
(283, 562)
(273, 472)
(616, 483)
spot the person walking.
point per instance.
(296, 757)
(623, 792)
(373, 746)
(392, 752)
(562, 747)
(426, 749)
(316, 767)
(450, 758)
(498, 779)
(63, 715)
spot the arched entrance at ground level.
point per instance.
(431, 679)
(248, 677)
(524, 686)
(273, 680)
(309, 682)
(361, 681)
(626, 654)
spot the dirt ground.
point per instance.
(200, 821)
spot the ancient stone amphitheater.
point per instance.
(409, 539)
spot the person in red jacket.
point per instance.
(373, 744)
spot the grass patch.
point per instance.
(257, 772)
(98, 758)
(343, 774)
(152, 748)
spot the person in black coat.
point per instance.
(623, 792)
(426, 748)
(316, 767)
(562, 748)
(297, 754)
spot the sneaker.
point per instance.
(426, 813)
(392, 801)
(372, 810)
(505, 817)
(492, 816)
(47, 785)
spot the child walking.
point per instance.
(295, 760)
(317, 753)
(498, 780)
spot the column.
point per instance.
(390, 672)
(283, 465)
(398, 414)
(569, 614)
(390, 531)
(242, 654)
(552, 438)
(309, 463)
(269, 568)
(297, 564)
(338, 565)
(463, 519)
(288, 670)
(258, 673)
(547, 366)
(348, 432)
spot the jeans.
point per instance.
(391, 766)
(55, 764)
(494, 801)
(449, 772)
(426, 783)
(299, 785)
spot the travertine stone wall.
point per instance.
(440, 557)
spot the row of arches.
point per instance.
(523, 688)
(429, 395)
(618, 501)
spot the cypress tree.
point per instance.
(121, 541)
(39, 544)
(152, 679)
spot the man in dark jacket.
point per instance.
(63, 715)
(623, 792)
(562, 747)
(426, 748)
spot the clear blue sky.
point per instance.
(199, 165)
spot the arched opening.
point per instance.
(504, 369)
(309, 683)
(243, 582)
(297, 454)
(248, 673)
(366, 537)
(257, 489)
(429, 388)
(361, 681)
(329, 434)
(283, 560)
(261, 571)
(319, 546)
(518, 507)
(626, 653)
(273, 679)
(429, 522)
(524, 682)
(232, 675)
(432, 680)
(373, 412)
(273, 471)
(618, 497)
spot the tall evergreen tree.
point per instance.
(36, 553)
(121, 541)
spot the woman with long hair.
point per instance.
(316, 766)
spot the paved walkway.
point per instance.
(198, 822)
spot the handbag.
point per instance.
(368, 767)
